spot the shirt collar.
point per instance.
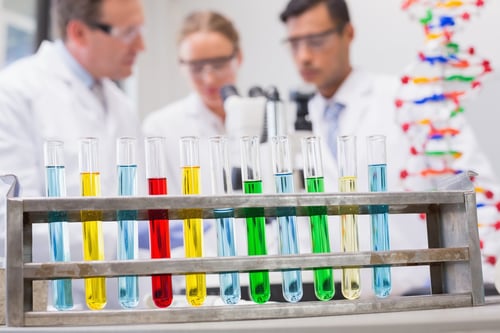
(74, 66)
(201, 110)
(347, 91)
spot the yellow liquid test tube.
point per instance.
(347, 161)
(349, 243)
(93, 241)
(196, 291)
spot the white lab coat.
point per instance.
(370, 109)
(40, 98)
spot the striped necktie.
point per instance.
(331, 116)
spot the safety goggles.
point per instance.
(314, 42)
(219, 66)
(125, 34)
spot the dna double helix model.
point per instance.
(431, 105)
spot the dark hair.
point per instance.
(339, 13)
(209, 21)
(86, 11)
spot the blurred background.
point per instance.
(387, 40)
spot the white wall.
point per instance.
(387, 40)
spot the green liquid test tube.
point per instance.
(324, 286)
(346, 147)
(260, 289)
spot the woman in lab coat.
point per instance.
(52, 95)
(209, 55)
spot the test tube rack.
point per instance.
(453, 256)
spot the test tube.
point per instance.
(55, 179)
(196, 291)
(346, 147)
(159, 234)
(324, 286)
(127, 247)
(287, 221)
(260, 289)
(221, 184)
(377, 177)
(93, 241)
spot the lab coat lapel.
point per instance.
(356, 108)
(56, 66)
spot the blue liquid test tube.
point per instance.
(221, 184)
(128, 286)
(377, 176)
(58, 229)
(287, 222)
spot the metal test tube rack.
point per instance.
(453, 256)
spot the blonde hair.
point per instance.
(212, 22)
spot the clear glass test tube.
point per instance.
(324, 286)
(221, 184)
(287, 221)
(159, 234)
(347, 165)
(55, 179)
(196, 291)
(260, 288)
(377, 178)
(127, 247)
(93, 239)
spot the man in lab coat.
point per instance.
(66, 91)
(319, 36)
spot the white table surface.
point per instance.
(484, 318)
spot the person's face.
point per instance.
(210, 61)
(319, 48)
(115, 39)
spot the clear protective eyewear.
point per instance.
(125, 34)
(314, 42)
(219, 66)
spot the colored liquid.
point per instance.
(324, 286)
(229, 282)
(377, 176)
(351, 288)
(93, 242)
(288, 244)
(196, 290)
(159, 237)
(260, 289)
(59, 238)
(128, 286)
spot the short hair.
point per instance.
(86, 11)
(337, 9)
(209, 21)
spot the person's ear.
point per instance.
(349, 31)
(239, 57)
(77, 32)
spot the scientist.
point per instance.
(350, 101)
(210, 56)
(66, 91)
